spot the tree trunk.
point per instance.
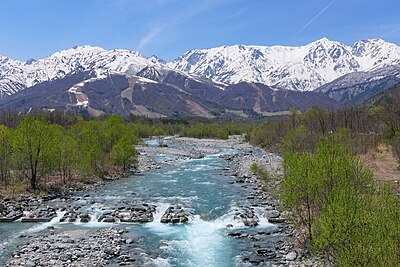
(309, 218)
(33, 180)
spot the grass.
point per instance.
(270, 182)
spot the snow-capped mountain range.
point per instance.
(302, 68)
(16, 75)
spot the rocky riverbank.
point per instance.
(263, 195)
(183, 149)
(80, 248)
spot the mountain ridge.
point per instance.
(103, 92)
(208, 81)
(302, 68)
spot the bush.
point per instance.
(396, 146)
(259, 172)
(349, 219)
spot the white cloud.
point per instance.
(149, 37)
(315, 17)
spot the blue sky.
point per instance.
(167, 28)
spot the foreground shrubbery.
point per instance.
(349, 219)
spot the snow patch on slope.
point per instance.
(81, 98)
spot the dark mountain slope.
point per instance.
(170, 94)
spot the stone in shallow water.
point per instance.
(175, 214)
(108, 219)
(84, 218)
(291, 256)
(277, 220)
(273, 214)
(251, 223)
(235, 234)
(30, 264)
(129, 241)
(246, 215)
(140, 213)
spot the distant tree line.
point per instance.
(367, 126)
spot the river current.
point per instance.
(200, 185)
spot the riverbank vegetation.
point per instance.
(38, 152)
(349, 219)
(195, 127)
(52, 149)
(350, 216)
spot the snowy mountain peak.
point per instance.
(301, 68)
(323, 41)
(30, 61)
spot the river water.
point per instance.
(200, 185)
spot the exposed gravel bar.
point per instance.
(80, 248)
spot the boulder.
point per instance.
(291, 256)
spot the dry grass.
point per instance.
(13, 190)
(383, 164)
(54, 181)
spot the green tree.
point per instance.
(91, 155)
(299, 187)
(123, 152)
(31, 146)
(349, 219)
(6, 164)
(64, 152)
(300, 140)
(113, 129)
(315, 119)
(293, 114)
(359, 229)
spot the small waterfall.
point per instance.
(262, 216)
(43, 226)
(156, 225)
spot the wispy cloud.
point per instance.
(174, 20)
(393, 30)
(314, 18)
(237, 13)
(180, 17)
(149, 37)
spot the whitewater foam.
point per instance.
(42, 226)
